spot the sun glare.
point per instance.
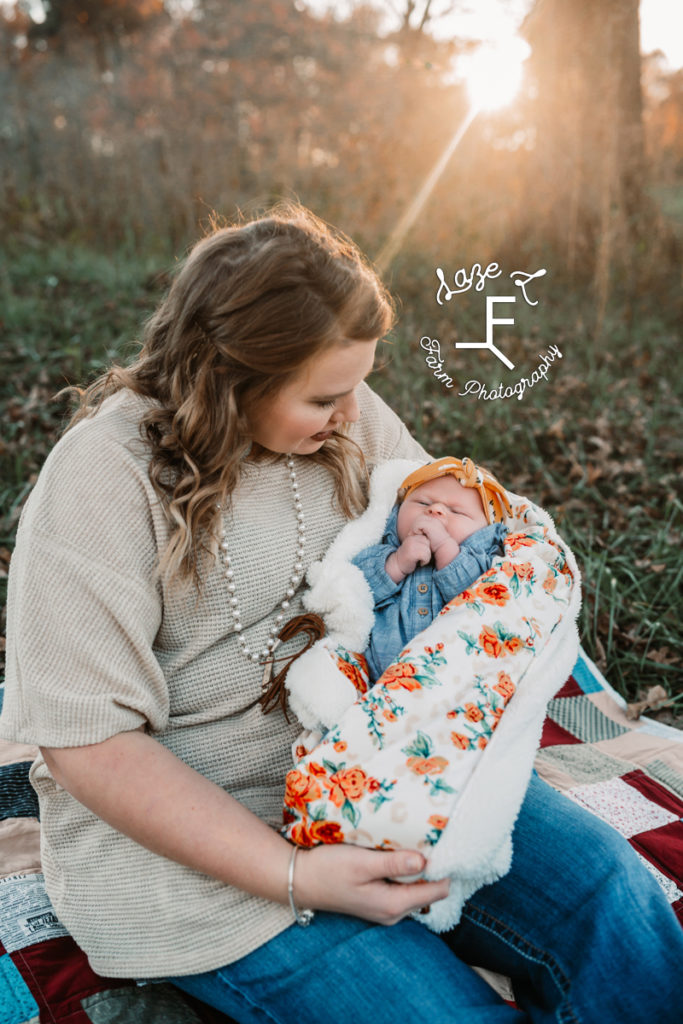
(494, 73)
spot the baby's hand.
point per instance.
(443, 546)
(415, 550)
(432, 528)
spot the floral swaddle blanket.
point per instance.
(437, 754)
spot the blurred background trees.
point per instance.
(127, 121)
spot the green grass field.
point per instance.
(597, 443)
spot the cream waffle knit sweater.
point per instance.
(97, 646)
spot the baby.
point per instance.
(441, 535)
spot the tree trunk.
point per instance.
(589, 153)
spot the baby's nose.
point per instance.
(437, 509)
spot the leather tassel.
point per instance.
(276, 693)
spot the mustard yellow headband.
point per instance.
(494, 498)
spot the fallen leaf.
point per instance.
(663, 656)
(655, 698)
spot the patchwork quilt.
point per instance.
(628, 773)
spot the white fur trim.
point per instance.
(318, 692)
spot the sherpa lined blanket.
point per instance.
(437, 754)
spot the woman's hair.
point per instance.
(250, 305)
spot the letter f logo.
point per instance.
(490, 321)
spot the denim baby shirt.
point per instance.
(402, 610)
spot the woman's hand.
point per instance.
(363, 883)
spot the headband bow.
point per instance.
(494, 499)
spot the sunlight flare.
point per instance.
(493, 74)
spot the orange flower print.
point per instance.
(438, 821)
(439, 647)
(400, 677)
(505, 687)
(549, 583)
(354, 674)
(525, 571)
(301, 835)
(300, 789)
(513, 644)
(466, 597)
(460, 741)
(340, 746)
(300, 752)
(427, 765)
(347, 784)
(325, 832)
(508, 568)
(496, 715)
(373, 785)
(389, 715)
(363, 662)
(316, 769)
(491, 643)
(482, 742)
(493, 593)
(514, 541)
(473, 713)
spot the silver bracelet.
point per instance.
(302, 917)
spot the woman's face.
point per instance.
(305, 412)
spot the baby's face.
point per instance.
(456, 507)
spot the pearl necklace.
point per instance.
(294, 580)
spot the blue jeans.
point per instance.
(578, 924)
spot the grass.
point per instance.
(595, 444)
(66, 314)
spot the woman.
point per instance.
(159, 555)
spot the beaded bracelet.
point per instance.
(302, 917)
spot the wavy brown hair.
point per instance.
(250, 305)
